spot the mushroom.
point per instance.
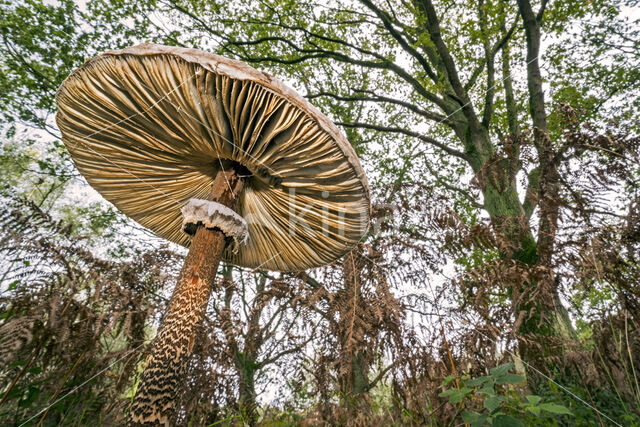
(214, 155)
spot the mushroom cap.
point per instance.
(149, 127)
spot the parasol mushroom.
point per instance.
(214, 155)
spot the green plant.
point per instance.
(498, 400)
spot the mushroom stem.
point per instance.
(157, 394)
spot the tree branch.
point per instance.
(383, 64)
(489, 59)
(403, 131)
(499, 46)
(380, 375)
(433, 26)
(540, 14)
(512, 111)
(386, 21)
(384, 99)
(448, 186)
(277, 356)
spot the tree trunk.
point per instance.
(246, 361)
(245, 358)
(535, 303)
(157, 395)
(354, 382)
(550, 317)
(246, 367)
(360, 374)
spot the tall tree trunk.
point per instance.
(512, 109)
(245, 367)
(354, 382)
(245, 359)
(360, 373)
(541, 320)
(535, 304)
(551, 318)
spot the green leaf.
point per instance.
(15, 392)
(535, 410)
(448, 392)
(487, 389)
(493, 402)
(474, 382)
(31, 397)
(470, 417)
(480, 421)
(503, 420)
(555, 409)
(533, 399)
(501, 369)
(474, 418)
(510, 379)
(456, 397)
(447, 380)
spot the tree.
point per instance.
(365, 320)
(261, 328)
(42, 43)
(442, 86)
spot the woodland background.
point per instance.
(499, 285)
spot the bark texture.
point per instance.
(157, 395)
(354, 369)
(549, 318)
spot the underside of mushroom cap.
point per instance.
(150, 126)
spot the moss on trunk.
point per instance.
(544, 322)
(246, 365)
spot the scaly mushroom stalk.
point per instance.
(155, 399)
(153, 127)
